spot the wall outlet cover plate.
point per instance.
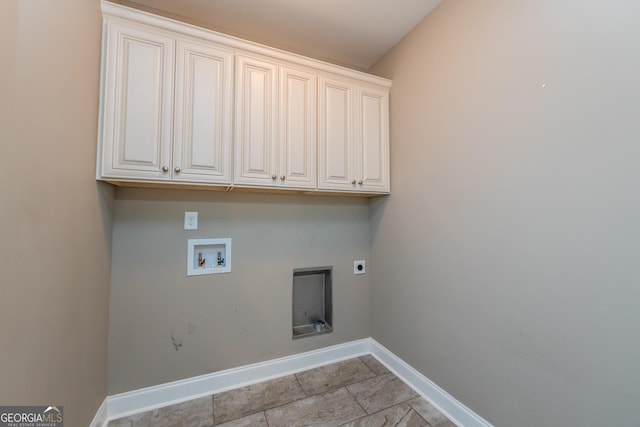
(359, 267)
(191, 220)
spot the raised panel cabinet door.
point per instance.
(373, 136)
(203, 113)
(297, 138)
(138, 100)
(256, 122)
(335, 134)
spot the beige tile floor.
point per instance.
(356, 392)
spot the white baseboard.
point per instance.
(443, 401)
(146, 399)
(100, 419)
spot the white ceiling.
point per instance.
(355, 33)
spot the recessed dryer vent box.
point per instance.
(208, 256)
(312, 301)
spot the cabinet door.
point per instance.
(138, 88)
(373, 139)
(297, 138)
(335, 134)
(256, 122)
(202, 141)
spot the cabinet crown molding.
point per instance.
(116, 11)
(184, 106)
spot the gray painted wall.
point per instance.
(226, 320)
(55, 220)
(506, 263)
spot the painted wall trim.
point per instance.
(443, 401)
(136, 401)
(149, 398)
(100, 419)
(119, 11)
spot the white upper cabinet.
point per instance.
(336, 135)
(203, 113)
(372, 146)
(138, 103)
(182, 105)
(297, 127)
(275, 142)
(353, 136)
(161, 126)
(256, 121)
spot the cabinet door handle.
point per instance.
(353, 182)
(165, 169)
(282, 178)
(177, 169)
(273, 176)
(360, 182)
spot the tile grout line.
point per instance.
(332, 389)
(369, 369)
(300, 384)
(375, 375)
(414, 409)
(213, 409)
(418, 413)
(366, 414)
(286, 403)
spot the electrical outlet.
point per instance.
(359, 267)
(191, 220)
